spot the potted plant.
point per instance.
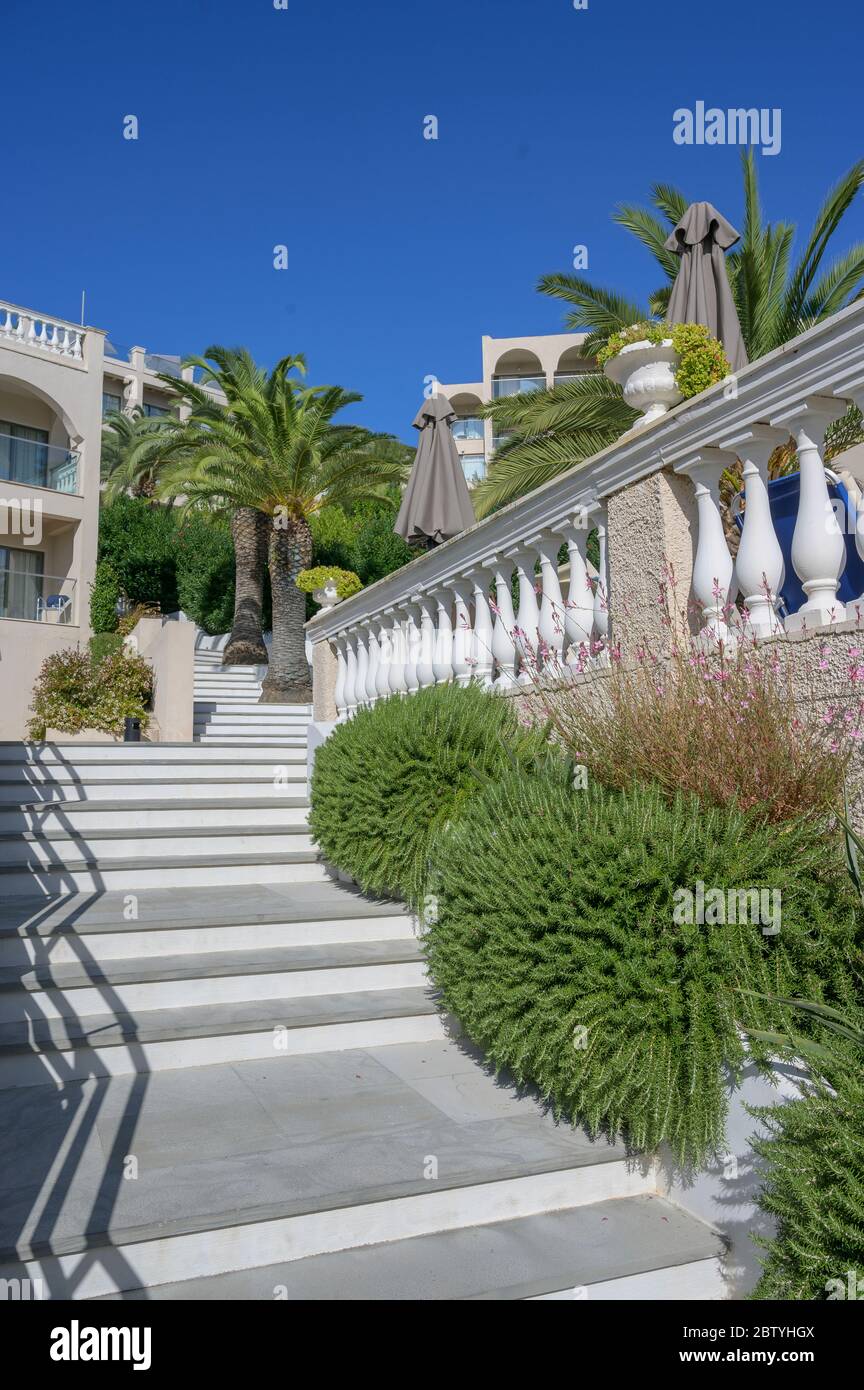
(658, 365)
(328, 584)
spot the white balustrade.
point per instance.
(818, 546)
(462, 656)
(442, 661)
(759, 567)
(425, 661)
(579, 609)
(526, 628)
(712, 567)
(550, 624)
(481, 646)
(49, 335)
(433, 620)
(503, 641)
(411, 629)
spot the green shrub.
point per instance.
(75, 692)
(104, 593)
(138, 540)
(555, 915)
(702, 361)
(204, 560)
(387, 779)
(103, 644)
(346, 582)
(813, 1183)
(378, 551)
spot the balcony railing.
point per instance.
(36, 598)
(53, 336)
(433, 621)
(34, 464)
(515, 385)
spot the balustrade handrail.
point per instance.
(825, 361)
(56, 336)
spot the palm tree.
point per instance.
(775, 300)
(132, 447)
(274, 449)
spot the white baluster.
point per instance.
(362, 666)
(341, 675)
(6, 326)
(503, 643)
(374, 662)
(351, 675)
(32, 335)
(385, 659)
(21, 327)
(712, 567)
(463, 659)
(818, 546)
(759, 568)
(397, 664)
(77, 339)
(442, 660)
(528, 616)
(601, 590)
(481, 645)
(412, 648)
(425, 660)
(579, 609)
(550, 625)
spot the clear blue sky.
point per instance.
(304, 127)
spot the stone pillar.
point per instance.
(324, 672)
(652, 530)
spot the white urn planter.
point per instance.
(646, 374)
(327, 597)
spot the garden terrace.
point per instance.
(653, 498)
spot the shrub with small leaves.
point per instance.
(74, 691)
(386, 780)
(701, 359)
(562, 948)
(345, 581)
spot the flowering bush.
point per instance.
(701, 359)
(74, 691)
(346, 581)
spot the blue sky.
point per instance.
(304, 127)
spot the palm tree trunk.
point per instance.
(289, 679)
(249, 534)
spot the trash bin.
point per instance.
(132, 730)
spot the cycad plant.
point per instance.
(776, 296)
(275, 449)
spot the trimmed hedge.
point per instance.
(556, 947)
(389, 778)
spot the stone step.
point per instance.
(188, 921)
(281, 786)
(84, 758)
(240, 734)
(85, 873)
(54, 849)
(631, 1248)
(231, 705)
(135, 987)
(265, 1162)
(82, 818)
(36, 1051)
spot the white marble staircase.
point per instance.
(227, 706)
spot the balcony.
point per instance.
(32, 463)
(516, 385)
(468, 427)
(36, 598)
(653, 500)
(18, 327)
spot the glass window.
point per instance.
(21, 574)
(23, 454)
(515, 385)
(474, 468)
(155, 410)
(468, 427)
(110, 403)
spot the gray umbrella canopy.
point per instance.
(701, 292)
(437, 504)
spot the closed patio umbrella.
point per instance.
(437, 504)
(701, 293)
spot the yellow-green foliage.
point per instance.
(74, 691)
(347, 583)
(701, 359)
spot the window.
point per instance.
(21, 574)
(155, 410)
(110, 403)
(468, 427)
(515, 385)
(23, 454)
(474, 468)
